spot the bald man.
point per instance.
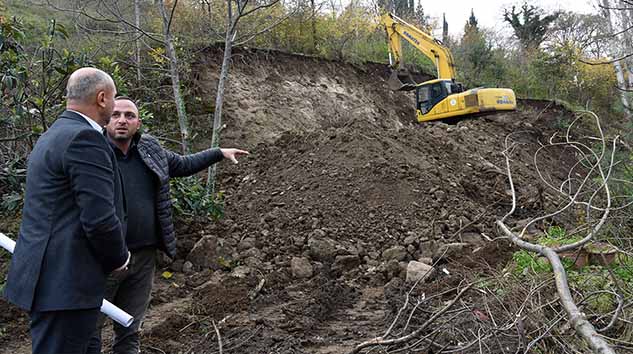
(72, 231)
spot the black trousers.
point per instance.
(131, 291)
(62, 332)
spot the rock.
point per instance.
(361, 249)
(321, 249)
(241, 271)
(205, 253)
(409, 240)
(176, 266)
(270, 216)
(246, 244)
(418, 271)
(298, 241)
(187, 267)
(351, 250)
(346, 262)
(393, 288)
(345, 251)
(411, 249)
(373, 255)
(397, 253)
(301, 267)
(439, 195)
(450, 250)
(426, 260)
(267, 267)
(253, 252)
(473, 238)
(393, 269)
(318, 267)
(253, 262)
(371, 262)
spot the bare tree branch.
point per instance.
(577, 319)
(382, 341)
(105, 19)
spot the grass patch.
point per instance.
(593, 280)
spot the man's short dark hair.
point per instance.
(125, 98)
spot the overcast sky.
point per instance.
(489, 13)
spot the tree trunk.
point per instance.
(314, 30)
(613, 47)
(137, 23)
(219, 99)
(175, 78)
(628, 42)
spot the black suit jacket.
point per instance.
(72, 234)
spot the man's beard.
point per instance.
(122, 137)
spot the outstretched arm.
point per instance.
(180, 166)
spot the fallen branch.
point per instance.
(413, 335)
(577, 319)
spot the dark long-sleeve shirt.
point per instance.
(141, 187)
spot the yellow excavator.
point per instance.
(443, 97)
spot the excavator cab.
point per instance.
(429, 94)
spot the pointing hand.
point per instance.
(232, 154)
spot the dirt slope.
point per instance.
(342, 178)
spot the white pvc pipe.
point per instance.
(109, 309)
(7, 243)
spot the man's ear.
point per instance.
(101, 98)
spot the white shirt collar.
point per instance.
(93, 124)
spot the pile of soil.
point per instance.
(342, 176)
(341, 190)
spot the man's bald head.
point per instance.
(91, 91)
(84, 84)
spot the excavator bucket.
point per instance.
(401, 80)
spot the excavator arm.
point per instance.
(397, 28)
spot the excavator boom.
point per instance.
(441, 56)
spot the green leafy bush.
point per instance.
(190, 199)
(525, 261)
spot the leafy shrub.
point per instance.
(190, 199)
(12, 178)
(12, 202)
(557, 236)
(525, 261)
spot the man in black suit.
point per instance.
(72, 231)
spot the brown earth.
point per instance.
(340, 175)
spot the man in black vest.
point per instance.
(146, 169)
(73, 221)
